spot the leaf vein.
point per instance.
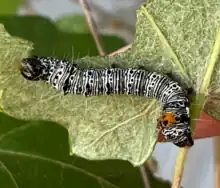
(59, 163)
(9, 173)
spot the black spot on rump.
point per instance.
(165, 122)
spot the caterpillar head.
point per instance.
(32, 68)
(179, 134)
(175, 128)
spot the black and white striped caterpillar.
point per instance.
(173, 125)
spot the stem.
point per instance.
(179, 167)
(26, 4)
(123, 49)
(197, 107)
(92, 26)
(217, 162)
(144, 176)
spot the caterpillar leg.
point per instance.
(175, 77)
(160, 127)
(141, 67)
(114, 65)
(160, 137)
(34, 56)
(190, 93)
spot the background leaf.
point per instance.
(9, 7)
(49, 40)
(73, 23)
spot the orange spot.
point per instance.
(168, 119)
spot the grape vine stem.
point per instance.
(92, 26)
(179, 167)
(217, 162)
(27, 7)
(120, 50)
(144, 176)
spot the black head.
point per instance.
(32, 68)
(179, 134)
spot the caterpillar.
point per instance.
(174, 123)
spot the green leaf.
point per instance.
(49, 40)
(73, 23)
(9, 7)
(172, 36)
(30, 156)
